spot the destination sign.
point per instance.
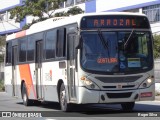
(115, 21)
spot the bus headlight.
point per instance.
(88, 83)
(147, 83)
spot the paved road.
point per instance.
(93, 112)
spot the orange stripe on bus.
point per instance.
(21, 34)
(25, 75)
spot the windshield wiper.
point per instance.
(104, 42)
(128, 39)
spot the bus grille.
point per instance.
(119, 95)
(119, 79)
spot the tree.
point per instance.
(35, 8)
(72, 11)
(156, 47)
(2, 47)
(75, 10)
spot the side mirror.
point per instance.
(77, 41)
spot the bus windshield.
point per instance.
(116, 51)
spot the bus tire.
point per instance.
(128, 106)
(26, 101)
(65, 107)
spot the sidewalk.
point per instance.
(157, 98)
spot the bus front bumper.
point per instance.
(86, 96)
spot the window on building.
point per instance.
(152, 12)
(80, 1)
(22, 49)
(50, 44)
(61, 5)
(69, 3)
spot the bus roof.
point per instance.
(60, 21)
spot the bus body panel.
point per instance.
(51, 75)
(42, 76)
(8, 80)
(90, 96)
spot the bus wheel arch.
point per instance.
(62, 95)
(25, 98)
(22, 82)
(58, 88)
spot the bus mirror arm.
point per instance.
(77, 42)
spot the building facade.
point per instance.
(149, 7)
(8, 26)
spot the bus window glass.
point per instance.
(8, 52)
(60, 52)
(50, 44)
(30, 50)
(97, 56)
(127, 51)
(22, 49)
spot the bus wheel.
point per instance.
(128, 106)
(63, 99)
(26, 101)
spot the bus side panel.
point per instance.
(51, 74)
(33, 93)
(27, 74)
(8, 80)
(18, 79)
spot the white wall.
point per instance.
(8, 25)
(8, 3)
(104, 5)
(155, 28)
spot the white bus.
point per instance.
(89, 58)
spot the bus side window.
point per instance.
(31, 48)
(61, 43)
(22, 49)
(8, 52)
(50, 44)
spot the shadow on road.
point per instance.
(95, 110)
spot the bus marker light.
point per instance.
(144, 85)
(88, 82)
(149, 80)
(92, 86)
(147, 94)
(83, 78)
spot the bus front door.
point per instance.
(14, 70)
(71, 67)
(38, 67)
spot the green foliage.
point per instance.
(33, 22)
(2, 47)
(35, 8)
(2, 85)
(60, 14)
(72, 11)
(75, 10)
(156, 46)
